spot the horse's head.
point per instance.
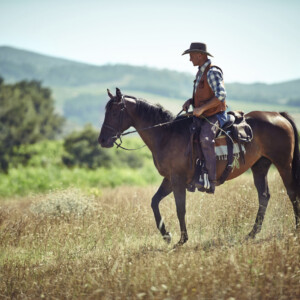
(116, 120)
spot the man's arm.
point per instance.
(215, 81)
(198, 111)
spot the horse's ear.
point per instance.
(109, 94)
(118, 94)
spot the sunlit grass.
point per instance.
(85, 244)
(45, 170)
(27, 180)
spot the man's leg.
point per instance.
(207, 140)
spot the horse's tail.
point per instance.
(296, 157)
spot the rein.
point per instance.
(119, 135)
(186, 116)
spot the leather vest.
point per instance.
(204, 93)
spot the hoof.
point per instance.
(184, 238)
(179, 244)
(250, 236)
(167, 237)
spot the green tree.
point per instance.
(27, 116)
(83, 150)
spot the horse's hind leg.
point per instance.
(296, 206)
(292, 193)
(291, 188)
(164, 190)
(260, 170)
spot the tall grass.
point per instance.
(74, 244)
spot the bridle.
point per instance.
(118, 131)
(119, 134)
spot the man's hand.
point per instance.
(187, 104)
(198, 111)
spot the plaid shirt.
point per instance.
(214, 79)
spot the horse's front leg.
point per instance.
(164, 190)
(179, 190)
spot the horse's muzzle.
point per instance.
(106, 142)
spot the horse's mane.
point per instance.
(156, 114)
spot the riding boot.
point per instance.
(206, 181)
(211, 169)
(207, 140)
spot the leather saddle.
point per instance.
(236, 129)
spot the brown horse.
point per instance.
(275, 140)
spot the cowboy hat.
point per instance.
(197, 47)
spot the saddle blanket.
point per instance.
(221, 148)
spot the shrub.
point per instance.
(82, 149)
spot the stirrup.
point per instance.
(205, 185)
(203, 182)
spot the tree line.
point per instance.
(28, 116)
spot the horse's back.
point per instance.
(273, 138)
(273, 134)
(267, 118)
(270, 126)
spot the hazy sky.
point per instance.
(251, 41)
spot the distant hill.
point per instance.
(80, 89)
(18, 64)
(281, 93)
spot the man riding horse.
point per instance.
(209, 101)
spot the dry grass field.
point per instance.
(104, 244)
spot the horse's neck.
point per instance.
(149, 135)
